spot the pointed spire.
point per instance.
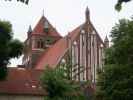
(106, 42)
(30, 29)
(106, 39)
(87, 14)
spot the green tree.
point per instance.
(118, 6)
(58, 87)
(23, 1)
(9, 47)
(115, 83)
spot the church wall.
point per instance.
(82, 75)
(86, 54)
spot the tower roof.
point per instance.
(87, 10)
(106, 39)
(39, 28)
(30, 29)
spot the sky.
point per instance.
(64, 15)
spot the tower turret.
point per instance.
(29, 31)
(106, 42)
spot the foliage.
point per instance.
(3, 73)
(58, 87)
(68, 66)
(119, 4)
(122, 50)
(23, 1)
(115, 83)
(9, 47)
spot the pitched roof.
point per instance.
(22, 81)
(53, 54)
(39, 28)
(56, 52)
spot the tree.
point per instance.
(9, 47)
(58, 87)
(115, 83)
(23, 1)
(119, 4)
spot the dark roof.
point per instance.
(21, 81)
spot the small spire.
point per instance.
(106, 39)
(30, 29)
(106, 42)
(87, 14)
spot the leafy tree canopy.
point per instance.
(23, 1)
(118, 6)
(58, 87)
(115, 83)
(9, 47)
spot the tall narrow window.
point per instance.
(40, 44)
(46, 26)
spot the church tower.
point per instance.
(42, 37)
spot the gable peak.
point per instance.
(44, 27)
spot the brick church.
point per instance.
(82, 48)
(45, 46)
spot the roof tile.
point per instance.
(22, 81)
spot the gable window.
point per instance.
(49, 41)
(40, 44)
(46, 26)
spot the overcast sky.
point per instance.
(65, 15)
